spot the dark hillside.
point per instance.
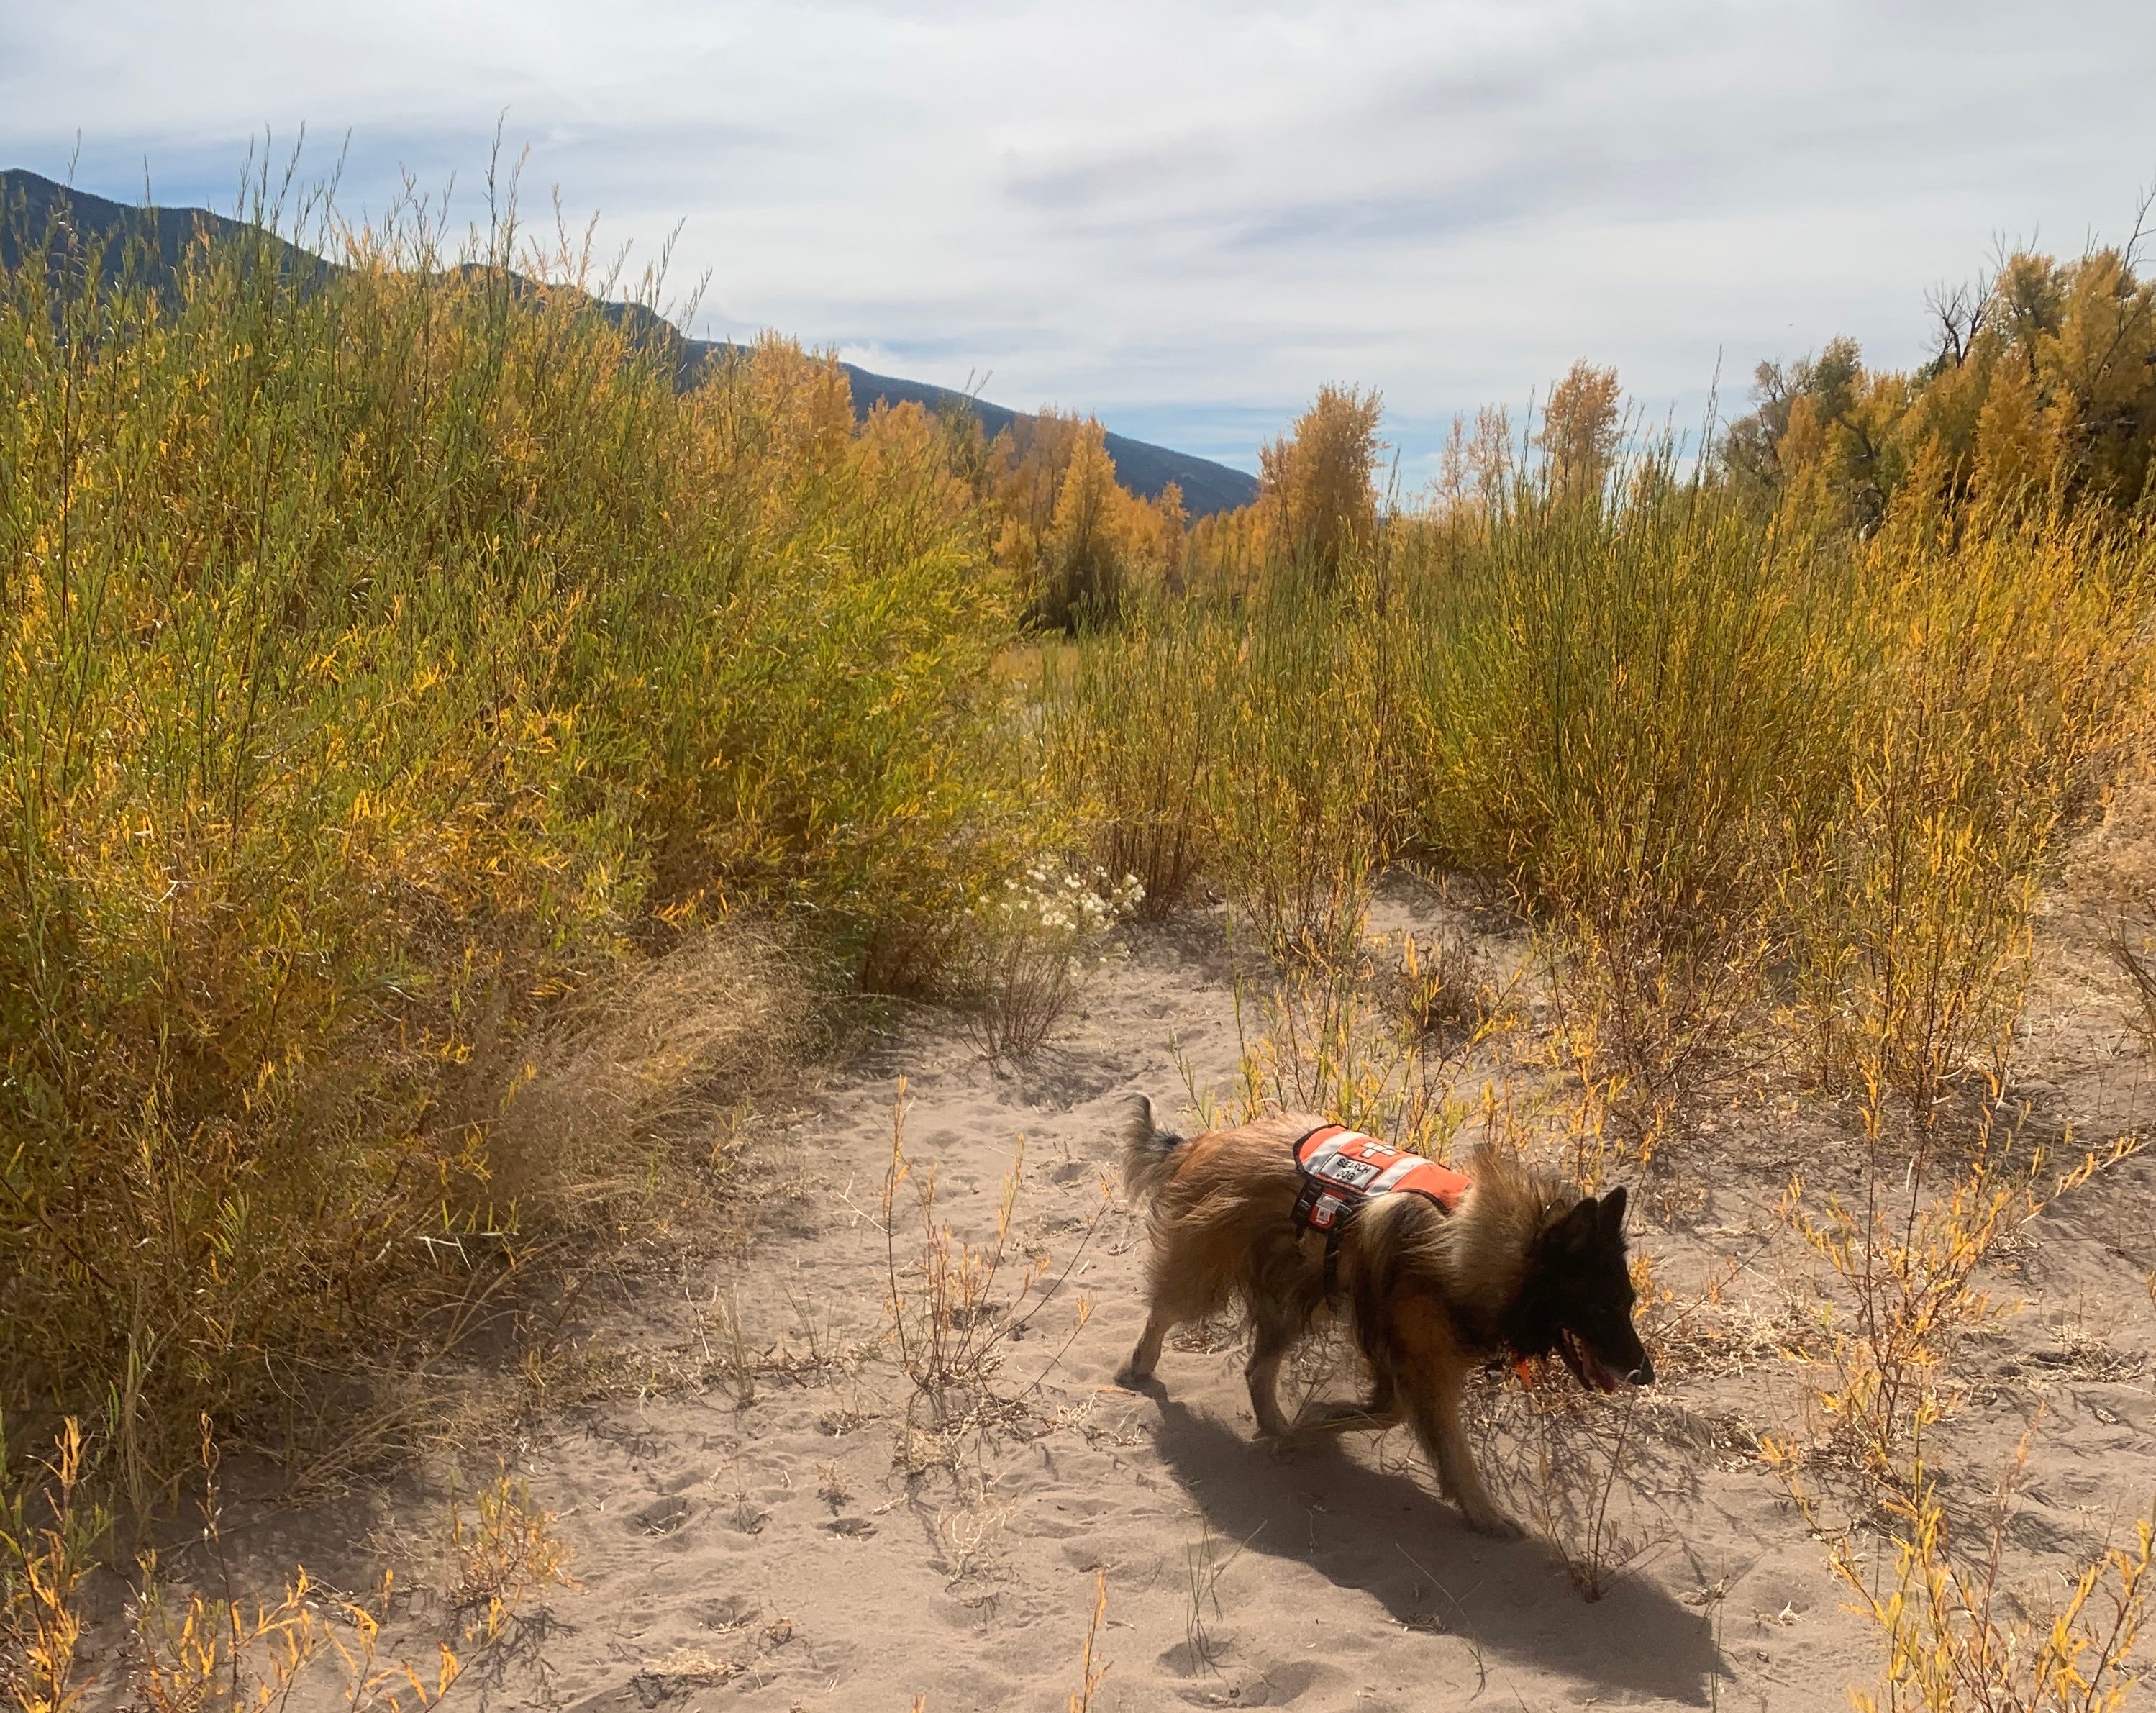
(29, 206)
(1140, 466)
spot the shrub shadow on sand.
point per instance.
(1358, 1526)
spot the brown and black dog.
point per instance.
(1523, 1265)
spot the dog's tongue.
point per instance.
(1597, 1372)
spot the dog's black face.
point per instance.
(1577, 1298)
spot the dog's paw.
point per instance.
(1131, 1380)
(1496, 1525)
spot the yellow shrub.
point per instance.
(382, 656)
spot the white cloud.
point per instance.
(1186, 216)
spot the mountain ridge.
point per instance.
(1142, 466)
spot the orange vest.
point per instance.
(1342, 1168)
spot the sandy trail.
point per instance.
(774, 1544)
(774, 1552)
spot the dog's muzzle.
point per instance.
(1598, 1374)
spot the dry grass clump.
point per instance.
(956, 1307)
(616, 1078)
(1204, 1563)
(1959, 1636)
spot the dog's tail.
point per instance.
(1148, 1152)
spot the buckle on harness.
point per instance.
(1321, 1208)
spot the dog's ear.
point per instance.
(1573, 1230)
(1613, 1212)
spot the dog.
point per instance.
(1518, 1266)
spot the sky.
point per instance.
(1182, 217)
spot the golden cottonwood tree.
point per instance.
(1076, 540)
(1318, 486)
(2043, 383)
(1084, 550)
(1579, 428)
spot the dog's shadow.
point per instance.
(1387, 1536)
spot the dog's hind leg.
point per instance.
(1182, 1283)
(1145, 1355)
(1275, 1338)
(1178, 1290)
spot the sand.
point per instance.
(803, 1548)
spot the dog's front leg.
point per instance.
(1438, 1426)
(1431, 1371)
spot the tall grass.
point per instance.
(1631, 710)
(1733, 757)
(1251, 747)
(383, 657)
(2007, 672)
(1135, 728)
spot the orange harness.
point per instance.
(1342, 1168)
